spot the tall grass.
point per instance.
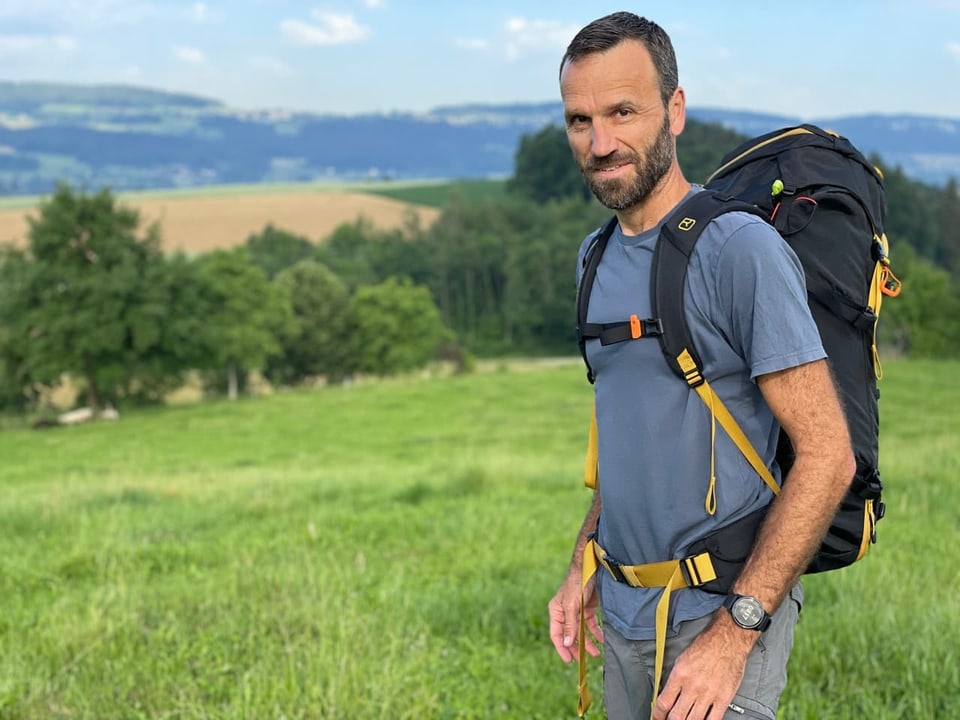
(388, 550)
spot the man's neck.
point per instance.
(672, 188)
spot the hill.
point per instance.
(137, 139)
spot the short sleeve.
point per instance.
(762, 296)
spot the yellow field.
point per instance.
(202, 222)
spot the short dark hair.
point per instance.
(610, 30)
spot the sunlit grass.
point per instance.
(388, 550)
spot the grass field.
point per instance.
(204, 219)
(387, 551)
(438, 195)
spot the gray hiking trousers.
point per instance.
(628, 667)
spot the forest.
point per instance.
(93, 297)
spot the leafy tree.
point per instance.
(318, 342)
(910, 212)
(243, 314)
(701, 146)
(948, 226)
(273, 249)
(544, 168)
(17, 384)
(396, 327)
(78, 303)
(172, 326)
(347, 252)
(540, 291)
(922, 320)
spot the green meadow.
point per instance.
(439, 194)
(387, 550)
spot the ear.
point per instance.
(678, 111)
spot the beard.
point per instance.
(650, 167)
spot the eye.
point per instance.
(623, 112)
(575, 121)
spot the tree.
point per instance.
(347, 253)
(243, 314)
(396, 327)
(701, 147)
(77, 307)
(948, 226)
(171, 327)
(544, 168)
(910, 212)
(318, 343)
(273, 250)
(922, 320)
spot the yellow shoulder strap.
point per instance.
(719, 411)
(590, 467)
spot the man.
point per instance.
(664, 481)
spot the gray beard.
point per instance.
(650, 169)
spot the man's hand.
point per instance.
(707, 674)
(564, 611)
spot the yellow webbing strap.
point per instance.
(884, 282)
(590, 467)
(668, 575)
(869, 523)
(588, 571)
(727, 421)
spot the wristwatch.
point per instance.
(747, 612)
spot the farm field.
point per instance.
(387, 550)
(206, 219)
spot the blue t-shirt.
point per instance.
(746, 305)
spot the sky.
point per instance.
(809, 60)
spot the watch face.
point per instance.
(747, 612)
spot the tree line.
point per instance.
(93, 296)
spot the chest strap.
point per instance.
(614, 332)
(669, 575)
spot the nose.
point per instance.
(602, 140)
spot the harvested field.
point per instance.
(202, 222)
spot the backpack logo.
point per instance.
(687, 224)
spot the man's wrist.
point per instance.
(736, 636)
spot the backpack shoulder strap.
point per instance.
(678, 237)
(591, 259)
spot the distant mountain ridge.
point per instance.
(136, 138)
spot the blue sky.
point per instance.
(814, 59)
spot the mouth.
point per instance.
(609, 170)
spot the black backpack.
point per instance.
(827, 201)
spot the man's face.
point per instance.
(620, 133)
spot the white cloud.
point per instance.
(471, 43)
(21, 44)
(374, 4)
(189, 55)
(953, 50)
(526, 36)
(328, 29)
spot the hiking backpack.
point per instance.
(827, 201)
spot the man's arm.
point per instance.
(805, 403)
(564, 608)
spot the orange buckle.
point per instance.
(636, 330)
(890, 285)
